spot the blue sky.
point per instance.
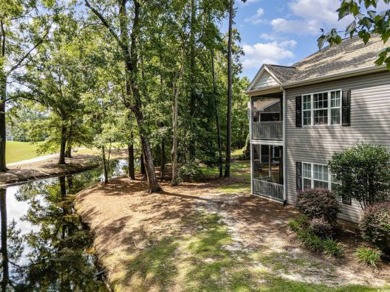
(282, 31)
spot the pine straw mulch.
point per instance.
(127, 222)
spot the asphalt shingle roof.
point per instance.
(352, 54)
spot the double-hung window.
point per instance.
(322, 108)
(315, 176)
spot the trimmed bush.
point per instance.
(364, 173)
(318, 203)
(190, 172)
(368, 256)
(321, 228)
(375, 225)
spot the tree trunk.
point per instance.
(105, 170)
(3, 93)
(68, 152)
(130, 55)
(217, 122)
(62, 145)
(230, 85)
(130, 149)
(175, 116)
(134, 93)
(142, 166)
(192, 104)
(4, 233)
(162, 158)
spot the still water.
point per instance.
(44, 245)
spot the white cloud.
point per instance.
(268, 37)
(256, 19)
(267, 53)
(310, 16)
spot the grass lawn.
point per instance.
(18, 151)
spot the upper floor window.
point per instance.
(322, 108)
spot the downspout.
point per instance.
(284, 104)
(250, 142)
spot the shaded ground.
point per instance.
(34, 169)
(211, 236)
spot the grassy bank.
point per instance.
(18, 151)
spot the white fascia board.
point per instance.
(257, 77)
(264, 91)
(272, 75)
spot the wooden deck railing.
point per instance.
(267, 130)
(268, 189)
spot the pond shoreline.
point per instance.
(30, 171)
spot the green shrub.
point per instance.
(321, 228)
(310, 240)
(364, 173)
(375, 225)
(368, 256)
(313, 242)
(332, 247)
(318, 203)
(296, 224)
(189, 172)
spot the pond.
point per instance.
(44, 245)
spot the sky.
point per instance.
(283, 31)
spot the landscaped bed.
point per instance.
(212, 236)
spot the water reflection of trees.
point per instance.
(57, 255)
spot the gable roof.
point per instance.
(352, 56)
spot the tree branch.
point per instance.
(29, 52)
(105, 23)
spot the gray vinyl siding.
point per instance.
(370, 122)
(266, 80)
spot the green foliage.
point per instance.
(190, 172)
(375, 225)
(368, 256)
(318, 203)
(326, 245)
(364, 173)
(296, 224)
(367, 21)
(331, 247)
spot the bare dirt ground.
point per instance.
(30, 170)
(127, 222)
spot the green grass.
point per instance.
(18, 151)
(200, 261)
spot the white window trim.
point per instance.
(329, 108)
(329, 181)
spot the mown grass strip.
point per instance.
(18, 151)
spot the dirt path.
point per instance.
(139, 237)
